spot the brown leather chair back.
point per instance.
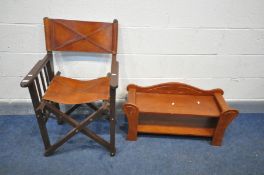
(71, 35)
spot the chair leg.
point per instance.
(78, 127)
(112, 121)
(92, 106)
(43, 131)
(73, 108)
(59, 119)
(95, 108)
(52, 148)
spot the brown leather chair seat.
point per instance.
(71, 91)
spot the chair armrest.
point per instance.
(114, 74)
(29, 78)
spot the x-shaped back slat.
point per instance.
(82, 36)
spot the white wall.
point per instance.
(205, 43)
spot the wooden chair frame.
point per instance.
(39, 78)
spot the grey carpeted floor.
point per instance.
(21, 151)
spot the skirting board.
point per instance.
(24, 107)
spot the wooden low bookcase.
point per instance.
(176, 108)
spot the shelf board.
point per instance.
(181, 130)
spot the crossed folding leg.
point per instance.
(77, 126)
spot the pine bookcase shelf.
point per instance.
(177, 109)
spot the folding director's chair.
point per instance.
(48, 90)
